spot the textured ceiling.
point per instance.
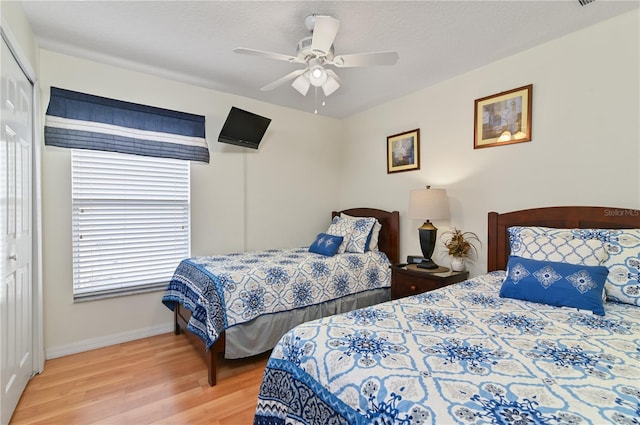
(192, 41)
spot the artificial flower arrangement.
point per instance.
(459, 243)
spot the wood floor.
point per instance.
(157, 380)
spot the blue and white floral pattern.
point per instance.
(359, 237)
(547, 276)
(227, 290)
(623, 262)
(622, 253)
(454, 356)
(517, 273)
(356, 232)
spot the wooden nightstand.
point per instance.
(410, 280)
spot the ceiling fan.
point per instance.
(316, 52)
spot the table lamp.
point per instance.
(428, 204)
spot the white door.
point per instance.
(16, 297)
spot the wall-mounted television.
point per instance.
(243, 128)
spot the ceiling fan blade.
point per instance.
(290, 76)
(365, 59)
(324, 32)
(268, 55)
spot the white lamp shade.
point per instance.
(302, 84)
(429, 204)
(330, 86)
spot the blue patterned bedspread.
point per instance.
(227, 290)
(458, 355)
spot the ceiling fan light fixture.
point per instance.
(317, 53)
(302, 84)
(330, 86)
(317, 74)
(318, 77)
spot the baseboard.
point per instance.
(91, 344)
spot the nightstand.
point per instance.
(410, 280)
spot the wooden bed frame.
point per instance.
(388, 242)
(559, 217)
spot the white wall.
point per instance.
(16, 26)
(291, 176)
(585, 148)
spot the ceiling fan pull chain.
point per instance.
(316, 100)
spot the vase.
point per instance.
(457, 264)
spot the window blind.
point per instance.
(77, 120)
(130, 222)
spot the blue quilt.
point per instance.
(461, 355)
(227, 290)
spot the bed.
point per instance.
(465, 354)
(241, 304)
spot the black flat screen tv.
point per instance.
(243, 128)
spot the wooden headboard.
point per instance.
(559, 217)
(389, 241)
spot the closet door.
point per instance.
(16, 296)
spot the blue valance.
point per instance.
(83, 121)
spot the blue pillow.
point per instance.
(558, 284)
(326, 244)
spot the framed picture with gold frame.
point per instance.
(503, 118)
(403, 151)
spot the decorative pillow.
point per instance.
(553, 283)
(360, 234)
(326, 244)
(589, 252)
(622, 247)
(340, 227)
(623, 262)
(374, 236)
(372, 239)
(517, 233)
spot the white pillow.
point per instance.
(361, 228)
(373, 236)
(517, 233)
(340, 227)
(623, 262)
(588, 252)
(622, 248)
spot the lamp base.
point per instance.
(427, 263)
(427, 233)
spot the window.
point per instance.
(130, 219)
